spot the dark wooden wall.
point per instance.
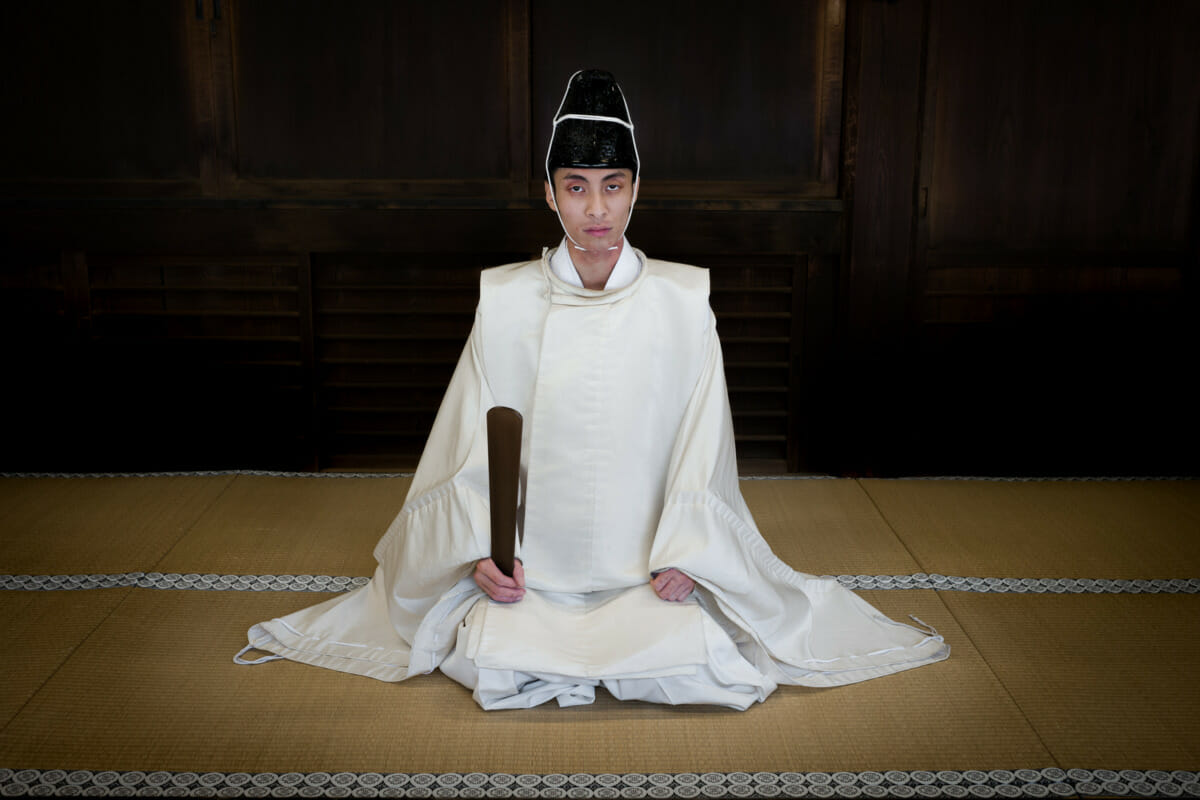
(1020, 295)
(944, 237)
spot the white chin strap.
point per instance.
(575, 244)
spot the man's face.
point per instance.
(593, 204)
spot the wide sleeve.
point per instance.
(703, 505)
(798, 627)
(444, 525)
(403, 621)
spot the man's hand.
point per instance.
(499, 586)
(672, 585)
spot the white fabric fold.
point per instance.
(621, 633)
(628, 468)
(624, 271)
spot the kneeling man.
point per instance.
(640, 570)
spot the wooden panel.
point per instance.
(888, 40)
(867, 413)
(1058, 365)
(371, 90)
(376, 127)
(750, 105)
(753, 297)
(1056, 242)
(96, 95)
(205, 361)
(1064, 125)
(1044, 290)
(202, 360)
(389, 329)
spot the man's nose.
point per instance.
(596, 206)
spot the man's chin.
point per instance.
(599, 246)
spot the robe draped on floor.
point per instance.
(627, 468)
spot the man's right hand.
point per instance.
(496, 584)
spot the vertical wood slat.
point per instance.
(886, 151)
(202, 79)
(918, 268)
(830, 83)
(796, 366)
(224, 100)
(517, 56)
(308, 368)
(847, 178)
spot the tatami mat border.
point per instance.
(207, 474)
(773, 477)
(338, 583)
(1050, 782)
(1037, 478)
(785, 476)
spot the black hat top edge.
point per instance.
(592, 127)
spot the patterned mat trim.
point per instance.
(778, 477)
(341, 583)
(277, 474)
(207, 474)
(1035, 479)
(1049, 782)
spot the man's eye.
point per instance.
(575, 189)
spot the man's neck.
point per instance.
(595, 268)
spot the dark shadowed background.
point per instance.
(946, 236)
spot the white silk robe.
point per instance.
(628, 468)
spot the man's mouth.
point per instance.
(597, 231)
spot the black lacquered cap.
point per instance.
(592, 127)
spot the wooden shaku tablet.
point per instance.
(504, 472)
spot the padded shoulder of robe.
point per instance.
(628, 467)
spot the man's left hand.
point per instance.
(672, 585)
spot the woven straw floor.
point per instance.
(123, 600)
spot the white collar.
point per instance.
(624, 272)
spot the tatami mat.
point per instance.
(97, 525)
(826, 527)
(1046, 529)
(40, 631)
(142, 679)
(269, 525)
(155, 688)
(1109, 680)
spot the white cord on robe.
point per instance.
(239, 660)
(930, 631)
